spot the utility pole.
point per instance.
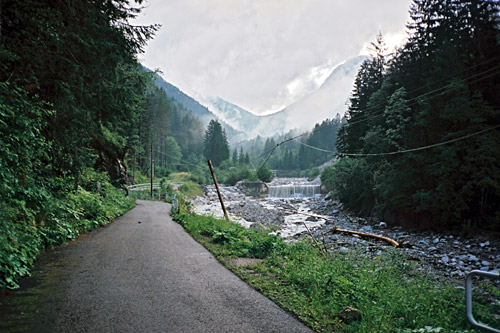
(217, 188)
(152, 169)
(135, 161)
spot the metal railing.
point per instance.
(468, 298)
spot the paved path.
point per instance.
(138, 277)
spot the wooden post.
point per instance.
(217, 188)
(152, 170)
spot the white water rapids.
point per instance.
(288, 198)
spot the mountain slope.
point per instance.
(194, 108)
(188, 102)
(331, 98)
(245, 121)
(328, 100)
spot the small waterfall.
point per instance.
(293, 191)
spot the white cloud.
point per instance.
(263, 54)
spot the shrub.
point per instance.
(265, 174)
(351, 179)
(241, 172)
(60, 219)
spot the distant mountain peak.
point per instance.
(325, 102)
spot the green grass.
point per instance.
(178, 177)
(388, 290)
(190, 189)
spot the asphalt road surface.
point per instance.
(141, 273)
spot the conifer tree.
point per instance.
(216, 147)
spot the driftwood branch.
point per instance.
(389, 240)
(312, 236)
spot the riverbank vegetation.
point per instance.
(421, 139)
(347, 292)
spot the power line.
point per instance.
(405, 150)
(271, 151)
(179, 159)
(415, 100)
(376, 106)
(418, 99)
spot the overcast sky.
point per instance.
(263, 54)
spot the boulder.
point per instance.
(349, 315)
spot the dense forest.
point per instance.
(71, 99)
(294, 154)
(167, 134)
(421, 141)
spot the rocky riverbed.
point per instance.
(444, 256)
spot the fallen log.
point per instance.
(389, 240)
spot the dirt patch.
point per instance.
(241, 262)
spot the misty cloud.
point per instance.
(262, 54)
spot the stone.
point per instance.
(329, 196)
(343, 250)
(484, 244)
(335, 211)
(445, 259)
(350, 314)
(382, 225)
(456, 273)
(484, 269)
(472, 257)
(467, 246)
(432, 248)
(485, 263)
(436, 240)
(423, 242)
(366, 229)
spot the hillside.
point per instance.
(328, 100)
(193, 107)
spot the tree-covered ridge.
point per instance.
(294, 153)
(441, 85)
(169, 132)
(81, 58)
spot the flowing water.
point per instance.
(294, 191)
(287, 197)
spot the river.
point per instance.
(294, 205)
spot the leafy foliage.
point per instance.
(62, 219)
(439, 86)
(265, 174)
(70, 95)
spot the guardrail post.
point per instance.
(166, 196)
(174, 203)
(468, 298)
